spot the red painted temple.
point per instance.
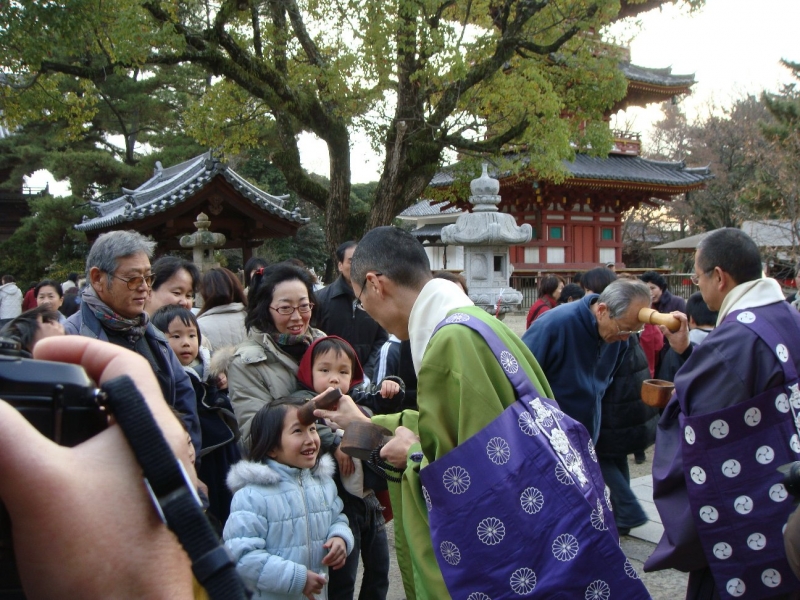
(577, 224)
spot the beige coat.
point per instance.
(224, 325)
(259, 372)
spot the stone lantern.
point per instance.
(485, 233)
(203, 243)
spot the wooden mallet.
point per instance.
(653, 317)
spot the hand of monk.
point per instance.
(395, 451)
(84, 526)
(678, 341)
(345, 412)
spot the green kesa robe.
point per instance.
(461, 389)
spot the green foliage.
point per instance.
(421, 77)
(46, 244)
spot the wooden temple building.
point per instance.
(167, 205)
(577, 224)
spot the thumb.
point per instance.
(26, 456)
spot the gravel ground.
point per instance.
(663, 585)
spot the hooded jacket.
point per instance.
(280, 518)
(258, 372)
(369, 399)
(10, 301)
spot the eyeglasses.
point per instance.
(363, 287)
(303, 309)
(620, 332)
(695, 277)
(134, 283)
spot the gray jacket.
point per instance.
(258, 373)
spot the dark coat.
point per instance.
(180, 394)
(627, 424)
(336, 314)
(669, 302)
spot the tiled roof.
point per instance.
(615, 168)
(171, 186)
(637, 169)
(426, 208)
(660, 77)
(429, 231)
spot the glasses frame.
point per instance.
(294, 308)
(695, 277)
(620, 332)
(146, 279)
(363, 287)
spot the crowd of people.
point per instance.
(507, 473)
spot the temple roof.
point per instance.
(614, 168)
(173, 185)
(428, 208)
(658, 77)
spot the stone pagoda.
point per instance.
(203, 243)
(485, 233)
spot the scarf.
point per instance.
(294, 345)
(437, 298)
(751, 294)
(112, 321)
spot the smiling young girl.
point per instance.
(286, 526)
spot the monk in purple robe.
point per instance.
(731, 422)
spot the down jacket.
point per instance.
(280, 518)
(627, 424)
(258, 373)
(224, 325)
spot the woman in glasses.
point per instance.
(264, 366)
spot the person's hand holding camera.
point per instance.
(83, 524)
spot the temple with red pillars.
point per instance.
(577, 224)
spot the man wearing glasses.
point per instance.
(112, 310)
(580, 346)
(732, 420)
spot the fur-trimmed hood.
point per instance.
(247, 472)
(221, 360)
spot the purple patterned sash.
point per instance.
(525, 497)
(730, 459)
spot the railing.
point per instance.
(679, 284)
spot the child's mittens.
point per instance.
(314, 584)
(337, 553)
(389, 388)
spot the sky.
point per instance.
(733, 47)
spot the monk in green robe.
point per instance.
(461, 386)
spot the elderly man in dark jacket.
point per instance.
(112, 310)
(338, 312)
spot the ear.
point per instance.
(725, 283)
(96, 277)
(602, 308)
(378, 285)
(272, 453)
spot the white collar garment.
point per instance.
(435, 300)
(751, 294)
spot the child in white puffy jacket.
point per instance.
(286, 526)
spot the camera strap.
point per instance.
(172, 491)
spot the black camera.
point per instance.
(59, 400)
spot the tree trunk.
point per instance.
(339, 199)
